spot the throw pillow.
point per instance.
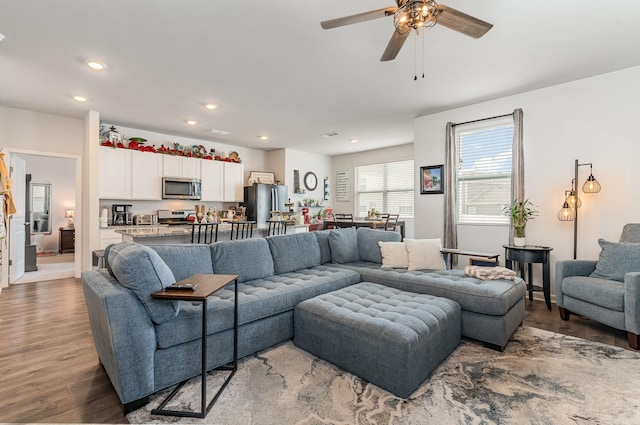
(424, 254)
(394, 255)
(344, 245)
(294, 252)
(617, 259)
(368, 243)
(141, 269)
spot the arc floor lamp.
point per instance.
(572, 202)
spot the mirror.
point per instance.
(40, 207)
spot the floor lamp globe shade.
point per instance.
(566, 213)
(573, 200)
(591, 185)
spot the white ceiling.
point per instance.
(274, 71)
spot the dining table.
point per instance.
(373, 223)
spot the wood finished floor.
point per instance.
(49, 369)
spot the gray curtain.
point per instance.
(517, 166)
(450, 224)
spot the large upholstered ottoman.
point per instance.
(391, 338)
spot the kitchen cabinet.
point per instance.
(212, 181)
(233, 182)
(146, 175)
(181, 166)
(115, 173)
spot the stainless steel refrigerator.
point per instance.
(261, 199)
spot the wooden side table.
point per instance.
(450, 252)
(67, 240)
(208, 284)
(525, 256)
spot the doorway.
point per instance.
(52, 199)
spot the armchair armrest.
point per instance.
(567, 268)
(632, 302)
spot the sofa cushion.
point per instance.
(617, 259)
(294, 252)
(368, 239)
(257, 299)
(248, 258)
(323, 243)
(424, 254)
(490, 297)
(186, 260)
(605, 293)
(394, 255)
(140, 269)
(344, 245)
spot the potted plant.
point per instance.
(520, 212)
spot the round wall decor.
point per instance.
(310, 181)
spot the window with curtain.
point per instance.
(387, 187)
(483, 175)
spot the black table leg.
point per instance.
(546, 283)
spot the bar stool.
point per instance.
(205, 233)
(242, 229)
(277, 227)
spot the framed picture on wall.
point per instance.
(431, 179)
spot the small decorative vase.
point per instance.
(520, 241)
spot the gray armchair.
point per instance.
(607, 290)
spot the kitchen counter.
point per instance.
(154, 235)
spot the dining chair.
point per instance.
(242, 229)
(342, 220)
(391, 221)
(277, 227)
(205, 233)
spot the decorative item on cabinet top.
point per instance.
(113, 139)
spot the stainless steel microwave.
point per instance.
(181, 188)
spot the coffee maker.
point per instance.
(121, 214)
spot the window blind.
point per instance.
(484, 156)
(387, 187)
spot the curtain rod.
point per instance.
(483, 119)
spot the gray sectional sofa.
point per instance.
(146, 345)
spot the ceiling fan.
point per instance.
(415, 15)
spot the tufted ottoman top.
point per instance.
(389, 337)
(387, 313)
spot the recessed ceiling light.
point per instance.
(221, 132)
(211, 106)
(96, 66)
(353, 140)
(263, 137)
(192, 122)
(1, 37)
(79, 98)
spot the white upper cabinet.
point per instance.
(181, 166)
(146, 175)
(212, 180)
(233, 182)
(115, 173)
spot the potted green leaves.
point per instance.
(520, 212)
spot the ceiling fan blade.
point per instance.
(461, 22)
(360, 17)
(395, 44)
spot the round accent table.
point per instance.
(525, 256)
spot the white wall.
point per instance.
(592, 120)
(377, 156)
(306, 162)
(36, 131)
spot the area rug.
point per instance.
(540, 378)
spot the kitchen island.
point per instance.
(155, 235)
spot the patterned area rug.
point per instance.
(541, 378)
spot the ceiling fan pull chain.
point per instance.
(415, 58)
(423, 55)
